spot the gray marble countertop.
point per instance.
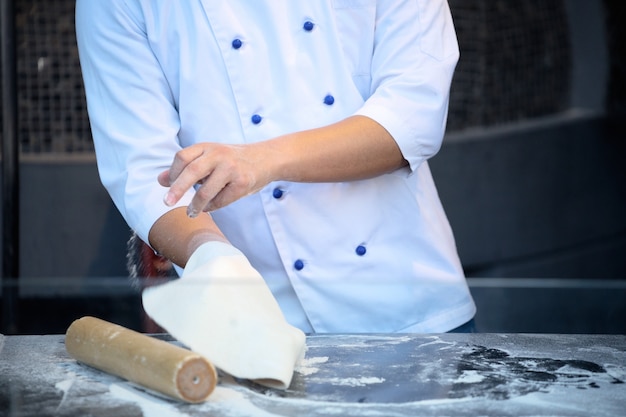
(350, 375)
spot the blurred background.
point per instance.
(532, 172)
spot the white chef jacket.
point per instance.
(375, 255)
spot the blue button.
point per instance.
(298, 265)
(237, 43)
(308, 26)
(360, 250)
(329, 100)
(256, 119)
(277, 193)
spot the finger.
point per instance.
(212, 186)
(164, 178)
(183, 159)
(227, 195)
(197, 171)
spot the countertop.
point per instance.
(350, 375)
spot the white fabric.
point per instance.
(161, 74)
(222, 309)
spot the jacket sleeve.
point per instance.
(132, 111)
(414, 57)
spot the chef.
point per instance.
(292, 134)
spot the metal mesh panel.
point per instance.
(515, 65)
(616, 16)
(52, 108)
(515, 61)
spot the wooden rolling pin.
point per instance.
(149, 362)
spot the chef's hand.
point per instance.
(224, 173)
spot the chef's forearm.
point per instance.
(176, 236)
(353, 149)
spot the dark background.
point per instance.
(531, 172)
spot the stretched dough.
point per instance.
(222, 309)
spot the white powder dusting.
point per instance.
(222, 399)
(380, 340)
(307, 365)
(327, 408)
(232, 400)
(616, 371)
(437, 341)
(64, 386)
(356, 382)
(469, 377)
(235, 402)
(150, 405)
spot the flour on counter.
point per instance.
(441, 375)
(615, 371)
(469, 377)
(222, 400)
(151, 406)
(307, 365)
(437, 341)
(347, 342)
(235, 402)
(356, 382)
(64, 386)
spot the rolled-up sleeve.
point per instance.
(133, 116)
(415, 54)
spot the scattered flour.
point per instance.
(235, 402)
(356, 382)
(221, 399)
(437, 341)
(64, 386)
(616, 371)
(307, 365)
(376, 339)
(151, 406)
(114, 335)
(469, 377)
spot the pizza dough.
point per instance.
(222, 309)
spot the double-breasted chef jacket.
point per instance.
(375, 255)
